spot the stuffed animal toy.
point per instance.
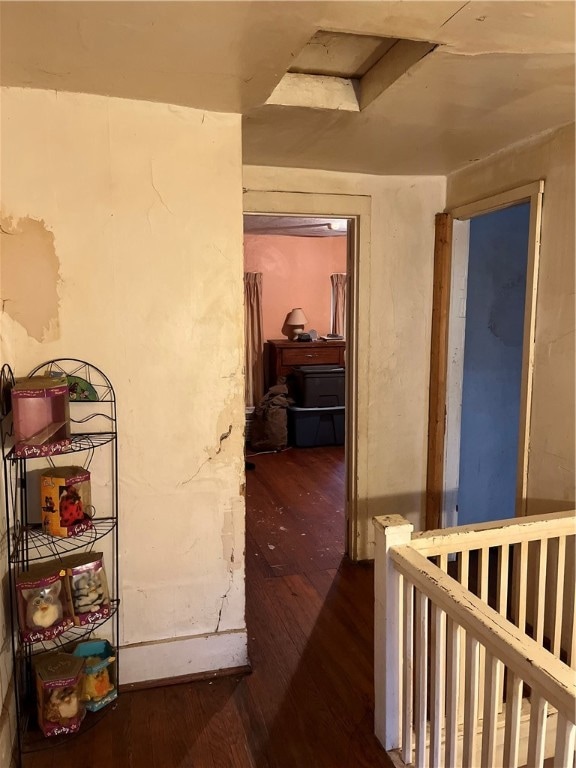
(71, 508)
(97, 684)
(43, 606)
(88, 593)
(62, 705)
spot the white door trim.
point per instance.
(532, 193)
(505, 199)
(358, 209)
(455, 370)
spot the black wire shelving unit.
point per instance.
(93, 426)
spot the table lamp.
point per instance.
(294, 323)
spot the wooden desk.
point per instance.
(284, 355)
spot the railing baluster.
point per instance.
(471, 702)
(559, 596)
(490, 713)
(540, 591)
(452, 691)
(408, 685)
(483, 568)
(512, 727)
(437, 678)
(520, 574)
(464, 568)
(463, 574)
(537, 732)
(503, 579)
(502, 608)
(421, 664)
(565, 743)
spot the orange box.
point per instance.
(66, 501)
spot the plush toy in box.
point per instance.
(43, 606)
(66, 501)
(41, 415)
(99, 683)
(89, 596)
(59, 681)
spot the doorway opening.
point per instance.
(356, 209)
(492, 365)
(486, 272)
(296, 286)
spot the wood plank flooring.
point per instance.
(308, 702)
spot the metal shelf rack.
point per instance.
(93, 426)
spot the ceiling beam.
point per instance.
(391, 66)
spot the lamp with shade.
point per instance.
(294, 323)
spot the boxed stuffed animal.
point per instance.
(99, 683)
(41, 415)
(59, 679)
(44, 610)
(88, 588)
(66, 501)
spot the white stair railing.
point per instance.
(442, 652)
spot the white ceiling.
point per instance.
(295, 226)
(502, 71)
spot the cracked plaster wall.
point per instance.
(144, 204)
(551, 468)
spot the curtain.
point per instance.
(254, 338)
(338, 320)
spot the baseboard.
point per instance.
(182, 679)
(181, 657)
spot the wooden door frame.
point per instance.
(355, 208)
(447, 252)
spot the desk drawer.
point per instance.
(313, 356)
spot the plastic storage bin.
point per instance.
(310, 427)
(319, 386)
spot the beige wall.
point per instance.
(138, 209)
(395, 305)
(550, 157)
(295, 273)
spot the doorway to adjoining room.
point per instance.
(295, 311)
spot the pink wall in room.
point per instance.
(295, 273)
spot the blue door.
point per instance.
(494, 334)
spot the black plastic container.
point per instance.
(311, 427)
(319, 386)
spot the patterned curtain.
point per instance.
(338, 324)
(254, 338)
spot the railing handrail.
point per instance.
(527, 659)
(512, 531)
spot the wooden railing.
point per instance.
(475, 645)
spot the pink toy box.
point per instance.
(41, 415)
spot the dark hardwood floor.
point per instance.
(308, 702)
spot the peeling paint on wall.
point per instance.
(29, 276)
